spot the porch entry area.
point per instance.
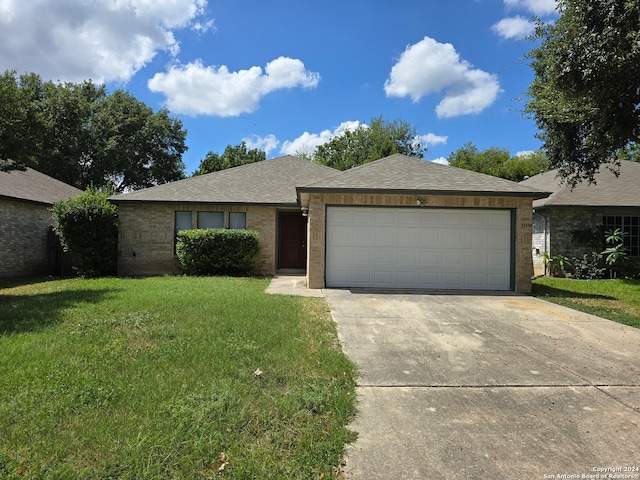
(292, 241)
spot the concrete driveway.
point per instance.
(488, 387)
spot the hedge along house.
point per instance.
(565, 221)
(28, 242)
(398, 222)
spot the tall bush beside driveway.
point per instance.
(88, 228)
(217, 251)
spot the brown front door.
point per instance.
(292, 234)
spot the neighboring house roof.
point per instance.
(608, 191)
(270, 182)
(33, 186)
(402, 174)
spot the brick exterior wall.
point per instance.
(23, 237)
(522, 226)
(555, 235)
(146, 239)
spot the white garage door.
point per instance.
(418, 248)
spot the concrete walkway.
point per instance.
(292, 285)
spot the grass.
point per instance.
(617, 300)
(155, 379)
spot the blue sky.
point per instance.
(286, 76)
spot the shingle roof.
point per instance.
(608, 191)
(400, 174)
(33, 186)
(271, 182)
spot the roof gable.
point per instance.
(400, 174)
(270, 182)
(32, 186)
(608, 191)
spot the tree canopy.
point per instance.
(81, 135)
(367, 143)
(233, 156)
(585, 97)
(499, 162)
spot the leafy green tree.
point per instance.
(631, 153)
(20, 125)
(133, 146)
(585, 97)
(83, 136)
(499, 162)
(233, 156)
(368, 143)
(68, 148)
(88, 228)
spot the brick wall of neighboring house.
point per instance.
(23, 238)
(316, 226)
(147, 235)
(561, 223)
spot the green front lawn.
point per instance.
(617, 300)
(169, 378)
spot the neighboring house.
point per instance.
(563, 221)
(27, 241)
(398, 222)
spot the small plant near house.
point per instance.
(88, 228)
(559, 265)
(589, 267)
(616, 252)
(217, 251)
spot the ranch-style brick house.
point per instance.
(398, 222)
(29, 245)
(612, 202)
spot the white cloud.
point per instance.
(432, 139)
(440, 160)
(525, 153)
(196, 89)
(266, 144)
(515, 27)
(429, 67)
(74, 40)
(537, 7)
(308, 142)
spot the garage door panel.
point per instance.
(418, 248)
(362, 217)
(431, 238)
(385, 238)
(385, 257)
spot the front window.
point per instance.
(630, 226)
(238, 220)
(183, 222)
(210, 220)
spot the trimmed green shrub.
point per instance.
(217, 251)
(88, 228)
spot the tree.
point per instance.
(133, 146)
(80, 135)
(585, 97)
(19, 122)
(368, 143)
(232, 157)
(88, 228)
(67, 142)
(631, 153)
(499, 162)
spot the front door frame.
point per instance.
(300, 266)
